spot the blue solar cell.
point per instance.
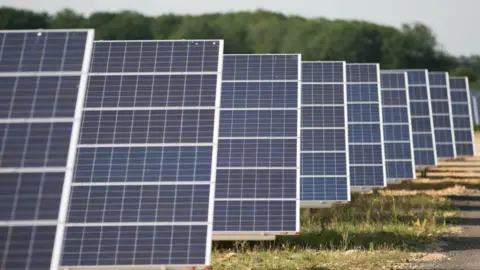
(440, 103)
(364, 115)
(257, 153)
(362, 92)
(42, 51)
(147, 126)
(398, 144)
(135, 245)
(363, 73)
(263, 67)
(26, 247)
(323, 140)
(267, 123)
(367, 133)
(150, 203)
(30, 196)
(270, 216)
(322, 94)
(155, 56)
(327, 117)
(324, 157)
(151, 90)
(421, 117)
(462, 116)
(264, 94)
(247, 184)
(323, 164)
(258, 145)
(34, 144)
(45, 96)
(323, 72)
(329, 188)
(143, 164)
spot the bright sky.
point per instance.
(452, 21)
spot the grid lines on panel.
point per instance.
(441, 114)
(462, 116)
(41, 74)
(366, 148)
(258, 154)
(143, 182)
(324, 134)
(396, 125)
(424, 146)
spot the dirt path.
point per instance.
(462, 250)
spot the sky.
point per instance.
(452, 21)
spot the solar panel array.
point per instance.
(324, 156)
(462, 116)
(42, 74)
(422, 122)
(138, 153)
(142, 188)
(442, 117)
(257, 183)
(475, 99)
(365, 133)
(397, 129)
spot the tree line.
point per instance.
(410, 46)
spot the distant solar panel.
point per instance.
(462, 116)
(42, 75)
(475, 99)
(324, 155)
(397, 129)
(365, 133)
(441, 114)
(424, 146)
(142, 190)
(257, 184)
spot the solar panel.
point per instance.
(475, 99)
(324, 156)
(42, 75)
(142, 190)
(365, 133)
(424, 146)
(257, 184)
(442, 117)
(397, 129)
(462, 116)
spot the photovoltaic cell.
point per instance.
(424, 145)
(324, 131)
(462, 116)
(42, 75)
(441, 114)
(396, 126)
(143, 180)
(258, 149)
(365, 134)
(475, 99)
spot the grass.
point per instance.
(373, 231)
(477, 127)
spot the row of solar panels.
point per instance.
(475, 99)
(129, 153)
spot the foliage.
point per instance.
(411, 46)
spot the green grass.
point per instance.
(477, 127)
(380, 228)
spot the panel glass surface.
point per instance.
(40, 81)
(257, 161)
(324, 158)
(396, 126)
(143, 172)
(440, 102)
(462, 116)
(421, 118)
(365, 126)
